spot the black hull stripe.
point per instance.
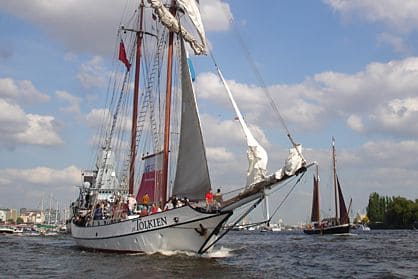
(329, 230)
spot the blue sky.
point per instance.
(347, 69)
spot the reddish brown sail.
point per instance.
(315, 201)
(343, 209)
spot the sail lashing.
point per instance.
(170, 21)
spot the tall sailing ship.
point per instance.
(338, 224)
(166, 160)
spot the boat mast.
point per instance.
(139, 36)
(335, 179)
(168, 109)
(49, 209)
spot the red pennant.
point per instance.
(122, 55)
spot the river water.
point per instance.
(243, 254)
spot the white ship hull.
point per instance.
(180, 229)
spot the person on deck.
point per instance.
(98, 212)
(145, 199)
(144, 211)
(218, 198)
(131, 204)
(174, 201)
(209, 199)
(169, 205)
(155, 208)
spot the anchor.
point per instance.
(202, 231)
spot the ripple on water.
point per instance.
(378, 254)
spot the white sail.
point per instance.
(192, 175)
(293, 163)
(256, 154)
(192, 10)
(173, 25)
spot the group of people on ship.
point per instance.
(213, 201)
(119, 208)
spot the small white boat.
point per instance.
(363, 228)
(6, 230)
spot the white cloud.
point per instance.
(355, 123)
(397, 14)
(398, 18)
(12, 120)
(21, 90)
(17, 127)
(387, 153)
(96, 117)
(217, 132)
(41, 131)
(92, 73)
(208, 86)
(74, 25)
(215, 15)
(382, 94)
(26, 187)
(72, 22)
(73, 101)
(398, 115)
(381, 98)
(219, 154)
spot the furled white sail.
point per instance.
(192, 175)
(192, 10)
(257, 156)
(293, 162)
(173, 25)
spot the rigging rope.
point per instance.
(281, 203)
(260, 78)
(285, 198)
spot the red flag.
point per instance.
(122, 55)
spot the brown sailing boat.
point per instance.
(338, 224)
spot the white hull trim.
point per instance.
(180, 229)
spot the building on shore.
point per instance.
(7, 214)
(33, 217)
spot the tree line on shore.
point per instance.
(392, 212)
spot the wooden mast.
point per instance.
(139, 36)
(335, 179)
(167, 110)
